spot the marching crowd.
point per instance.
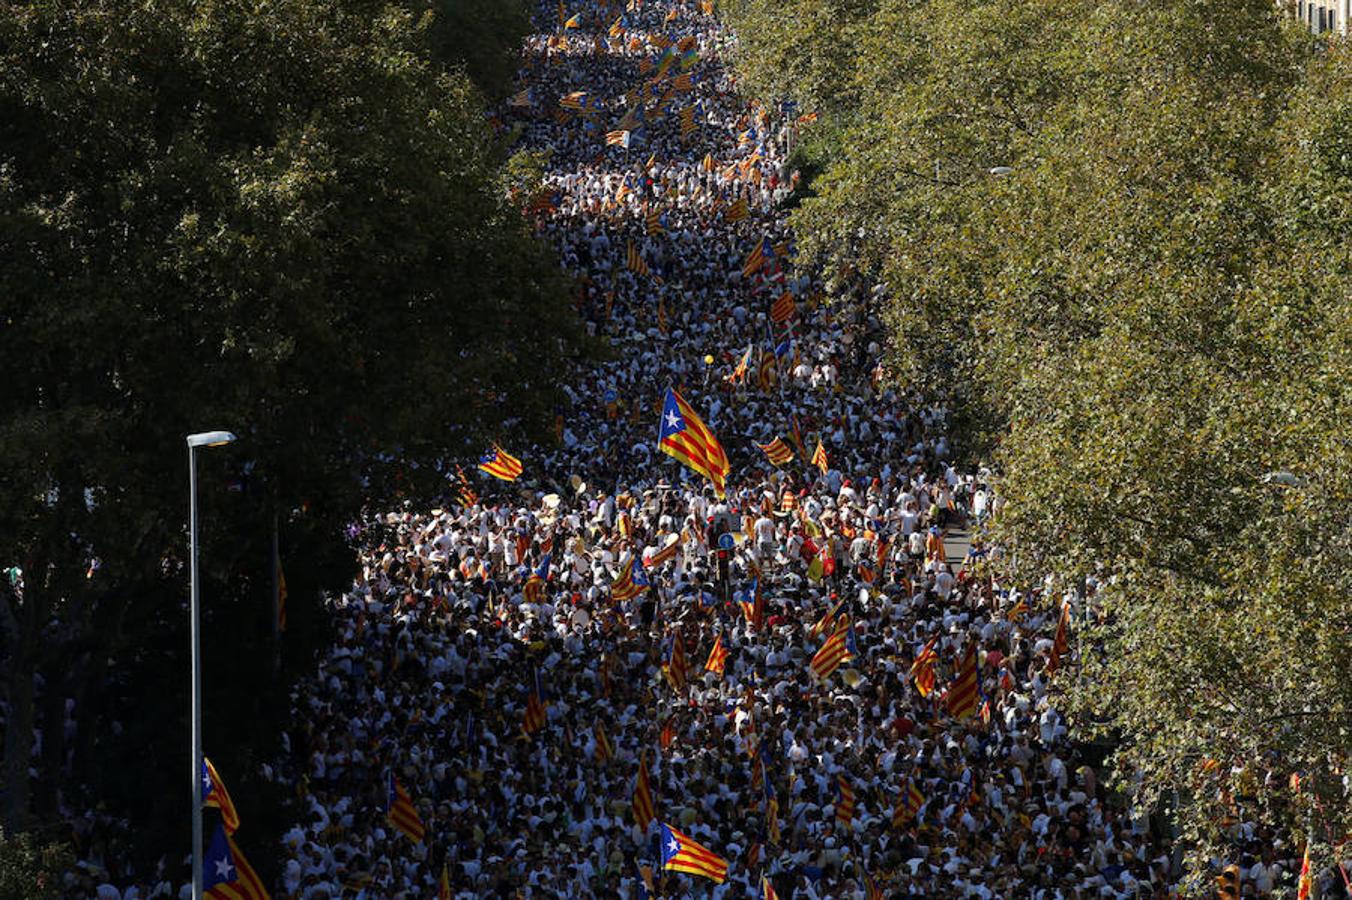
(548, 671)
(865, 780)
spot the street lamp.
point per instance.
(201, 439)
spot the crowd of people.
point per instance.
(887, 777)
(657, 191)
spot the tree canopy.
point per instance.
(288, 221)
(1146, 320)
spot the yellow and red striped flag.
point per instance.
(908, 804)
(573, 100)
(534, 718)
(819, 457)
(673, 664)
(687, 120)
(618, 139)
(500, 464)
(1017, 611)
(400, 813)
(1306, 883)
(782, 309)
(631, 582)
(922, 670)
(839, 648)
(635, 262)
(215, 794)
(718, 656)
(444, 883)
(644, 810)
(964, 691)
(652, 222)
(1061, 645)
(768, 890)
(604, 748)
(737, 211)
(686, 438)
(708, 164)
(668, 732)
(845, 805)
(777, 451)
(681, 853)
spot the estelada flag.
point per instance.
(681, 853)
(685, 437)
(215, 794)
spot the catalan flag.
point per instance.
(963, 692)
(908, 804)
(718, 657)
(806, 119)
(444, 883)
(1061, 645)
(226, 874)
(826, 621)
(681, 853)
(617, 27)
(522, 99)
(685, 437)
(708, 164)
(922, 670)
(215, 794)
(871, 889)
(1017, 611)
(574, 21)
(644, 810)
(782, 309)
(464, 493)
(768, 890)
(635, 262)
(500, 464)
(683, 82)
(574, 100)
(839, 648)
(845, 803)
(618, 139)
(604, 748)
(777, 451)
(1306, 883)
(668, 732)
(760, 256)
(399, 811)
(740, 370)
(534, 719)
(673, 663)
(819, 457)
(668, 552)
(687, 120)
(632, 581)
(652, 222)
(737, 211)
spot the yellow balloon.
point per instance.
(709, 359)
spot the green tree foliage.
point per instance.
(1147, 315)
(32, 871)
(287, 220)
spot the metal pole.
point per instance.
(276, 593)
(195, 631)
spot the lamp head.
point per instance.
(210, 439)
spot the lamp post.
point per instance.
(201, 439)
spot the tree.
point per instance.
(288, 222)
(1144, 317)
